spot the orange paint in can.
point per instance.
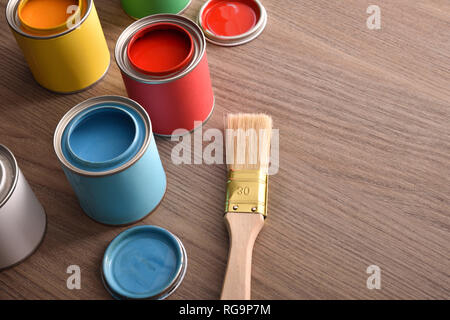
(46, 14)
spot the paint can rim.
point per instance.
(14, 22)
(169, 288)
(98, 101)
(15, 166)
(60, 27)
(155, 27)
(136, 18)
(229, 41)
(81, 117)
(121, 57)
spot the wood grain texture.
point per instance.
(364, 119)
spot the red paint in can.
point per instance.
(160, 49)
(175, 91)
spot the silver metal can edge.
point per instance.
(125, 36)
(68, 116)
(16, 175)
(11, 17)
(235, 40)
(169, 290)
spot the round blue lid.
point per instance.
(142, 262)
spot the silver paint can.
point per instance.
(22, 217)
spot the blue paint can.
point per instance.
(109, 155)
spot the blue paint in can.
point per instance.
(111, 160)
(103, 135)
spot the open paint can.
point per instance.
(141, 8)
(109, 155)
(22, 217)
(66, 52)
(144, 262)
(164, 67)
(232, 22)
(48, 16)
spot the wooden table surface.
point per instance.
(364, 119)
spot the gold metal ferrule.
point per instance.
(247, 192)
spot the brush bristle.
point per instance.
(248, 141)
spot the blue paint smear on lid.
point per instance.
(103, 137)
(142, 262)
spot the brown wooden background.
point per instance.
(364, 119)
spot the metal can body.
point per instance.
(22, 217)
(125, 197)
(120, 192)
(69, 61)
(175, 101)
(175, 104)
(141, 8)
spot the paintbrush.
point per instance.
(247, 153)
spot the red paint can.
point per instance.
(165, 69)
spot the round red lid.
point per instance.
(230, 18)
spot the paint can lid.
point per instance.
(144, 262)
(8, 174)
(232, 22)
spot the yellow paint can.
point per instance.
(66, 62)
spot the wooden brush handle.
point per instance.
(243, 229)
